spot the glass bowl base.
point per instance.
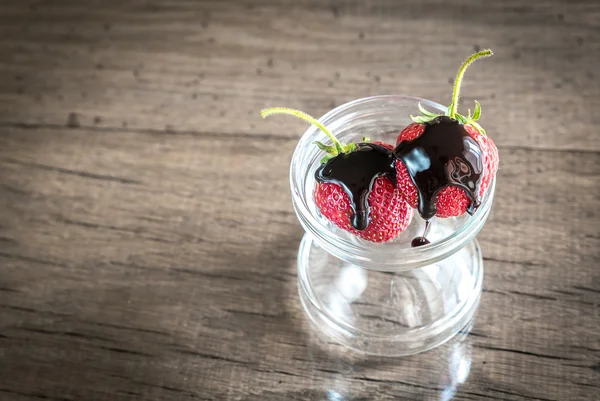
(389, 313)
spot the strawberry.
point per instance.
(354, 190)
(389, 213)
(451, 200)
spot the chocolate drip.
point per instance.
(356, 172)
(443, 155)
(419, 241)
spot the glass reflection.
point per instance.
(437, 373)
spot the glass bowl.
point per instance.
(390, 298)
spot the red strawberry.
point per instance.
(450, 201)
(389, 213)
(374, 212)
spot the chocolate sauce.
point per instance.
(420, 241)
(356, 172)
(443, 155)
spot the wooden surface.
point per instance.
(147, 237)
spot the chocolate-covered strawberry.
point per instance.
(446, 162)
(356, 187)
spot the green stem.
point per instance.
(303, 116)
(459, 77)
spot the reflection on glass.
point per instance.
(333, 395)
(448, 365)
(459, 367)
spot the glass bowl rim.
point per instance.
(360, 255)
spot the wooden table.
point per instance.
(147, 237)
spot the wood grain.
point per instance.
(147, 236)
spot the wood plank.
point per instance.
(147, 236)
(210, 66)
(168, 251)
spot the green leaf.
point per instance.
(422, 119)
(325, 159)
(330, 149)
(477, 112)
(351, 147)
(461, 118)
(426, 112)
(366, 139)
(478, 127)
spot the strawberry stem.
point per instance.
(458, 81)
(303, 116)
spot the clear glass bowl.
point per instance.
(386, 299)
